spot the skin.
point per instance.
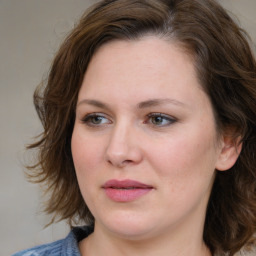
(177, 154)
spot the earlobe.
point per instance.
(229, 152)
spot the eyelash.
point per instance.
(170, 120)
(88, 119)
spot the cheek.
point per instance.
(186, 162)
(86, 156)
(186, 176)
(86, 151)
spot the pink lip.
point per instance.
(125, 190)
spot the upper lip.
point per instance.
(125, 184)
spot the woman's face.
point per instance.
(144, 143)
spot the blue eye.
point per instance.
(95, 120)
(159, 119)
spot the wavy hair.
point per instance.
(226, 69)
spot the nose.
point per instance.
(124, 147)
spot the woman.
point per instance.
(149, 117)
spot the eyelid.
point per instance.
(160, 114)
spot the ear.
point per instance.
(230, 149)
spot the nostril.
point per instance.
(119, 164)
(128, 161)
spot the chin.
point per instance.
(129, 226)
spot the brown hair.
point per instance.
(226, 69)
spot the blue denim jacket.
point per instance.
(63, 247)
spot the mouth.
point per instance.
(125, 190)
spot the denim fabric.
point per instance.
(64, 247)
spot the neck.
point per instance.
(111, 245)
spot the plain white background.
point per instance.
(30, 32)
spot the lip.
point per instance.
(125, 190)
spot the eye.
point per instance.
(160, 120)
(95, 119)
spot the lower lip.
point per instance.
(126, 195)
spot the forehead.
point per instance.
(148, 60)
(144, 48)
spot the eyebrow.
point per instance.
(95, 103)
(141, 105)
(157, 102)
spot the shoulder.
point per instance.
(63, 247)
(53, 249)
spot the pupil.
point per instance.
(96, 120)
(158, 120)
